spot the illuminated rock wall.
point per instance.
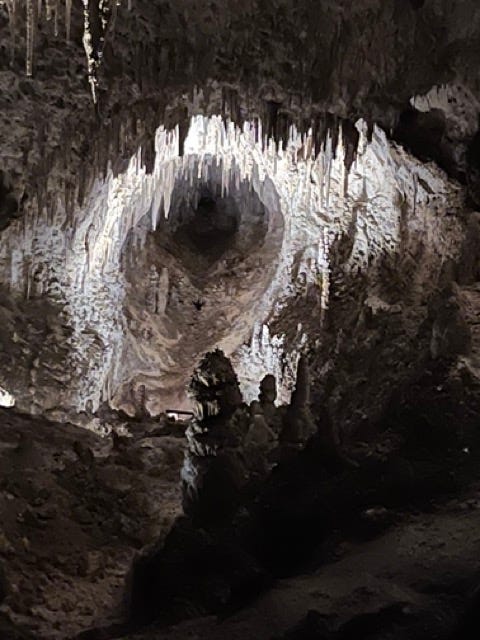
(97, 272)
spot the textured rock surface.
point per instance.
(280, 57)
(130, 315)
(163, 63)
(432, 558)
(385, 548)
(75, 511)
(274, 127)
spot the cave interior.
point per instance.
(239, 314)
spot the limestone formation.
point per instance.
(210, 468)
(214, 387)
(261, 215)
(107, 336)
(267, 397)
(299, 424)
(259, 434)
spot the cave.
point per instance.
(239, 311)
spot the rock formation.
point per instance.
(281, 197)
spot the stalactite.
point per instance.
(31, 20)
(12, 19)
(55, 18)
(295, 184)
(29, 281)
(89, 50)
(104, 11)
(68, 18)
(350, 141)
(99, 18)
(82, 184)
(114, 134)
(49, 9)
(330, 155)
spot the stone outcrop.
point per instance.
(232, 446)
(347, 519)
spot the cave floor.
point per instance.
(75, 509)
(420, 570)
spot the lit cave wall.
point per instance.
(120, 297)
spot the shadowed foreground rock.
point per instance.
(298, 517)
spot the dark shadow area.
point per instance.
(206, 225)
(288, 523)
(473, 170)
(341, 486)
(8, 202)
(423, 134)
(211, 230)
(417, 4)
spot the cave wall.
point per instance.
(77, 261)
(77, 177)
(95, 267)
(394, 227)
(203, 286)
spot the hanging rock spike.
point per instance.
(31, 19)
(68, 18)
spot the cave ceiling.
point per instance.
(161, 62)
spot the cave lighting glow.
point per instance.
(77, 259)
(6, 399)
